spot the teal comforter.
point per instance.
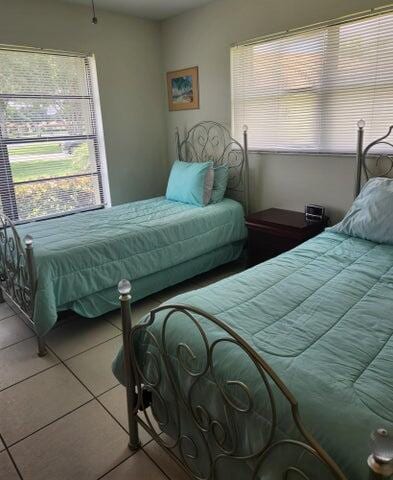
(322, 317)
(86, 253)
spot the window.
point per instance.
(51, 152)
(306, 91)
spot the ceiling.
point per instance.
(154, 9)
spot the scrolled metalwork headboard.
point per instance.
(17, 272)
(212, 141)
(372, 164)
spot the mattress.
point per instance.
(321, 316)
(86, 253)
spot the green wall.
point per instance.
(132, 57)
(128, 56)
(203, 37)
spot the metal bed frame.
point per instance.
(371, 164)
(216, 434)
(212, 141)
(18, 279)
(205, 141)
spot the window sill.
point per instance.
(300, 152)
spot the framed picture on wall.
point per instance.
(183, 89)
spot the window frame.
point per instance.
(7, 190)
(320, 26)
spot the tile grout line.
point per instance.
(114, 325)
(141, 449)
(87, 349)
(17, 343)
(55, 355)
(50, 423)
(108, 390)
(156, 463)
(59, 362)
(118, 465)
(11, 457)
(94, 397)
(24, 323)
(30, 376)
(13, 314)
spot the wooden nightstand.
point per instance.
(274, 231)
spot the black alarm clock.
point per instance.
(314, 213)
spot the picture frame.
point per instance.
(183, 89)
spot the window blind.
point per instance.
(50, 158)
(306, 91)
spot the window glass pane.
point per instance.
(35, 118)
(51, 197)
(363, 46)
(42, 74)
(34, 161)
(307, 91)
(50, 154)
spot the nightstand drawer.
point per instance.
(262, 245)
(274, 231)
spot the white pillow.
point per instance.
(370, 216)
(209, 182)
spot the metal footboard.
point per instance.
(171, 393)
(18, 280)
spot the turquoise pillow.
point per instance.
(370, 216)
(220, 184)
(186, 182)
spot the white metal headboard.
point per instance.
(372, 164)
(212, 141)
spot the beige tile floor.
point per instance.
(64, 416)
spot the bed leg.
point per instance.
(1, 296)
(380, 461)
(42, 351)
(32, 274)
(125, 300)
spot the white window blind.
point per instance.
(306, 91)
(50, 158)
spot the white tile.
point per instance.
(86, 444)
(138, 311)
(7, 469)
(12, 330)
(38, 401)
(5, 311)
(165, 462)
(138, 467)
(21, 361)
(78, 335)
(115, 402)
(94, 367)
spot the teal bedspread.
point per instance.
(322, 317)
(88, 253)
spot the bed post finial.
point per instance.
(380, 461)
(246, 169)
(125, 301)
(359, 157)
